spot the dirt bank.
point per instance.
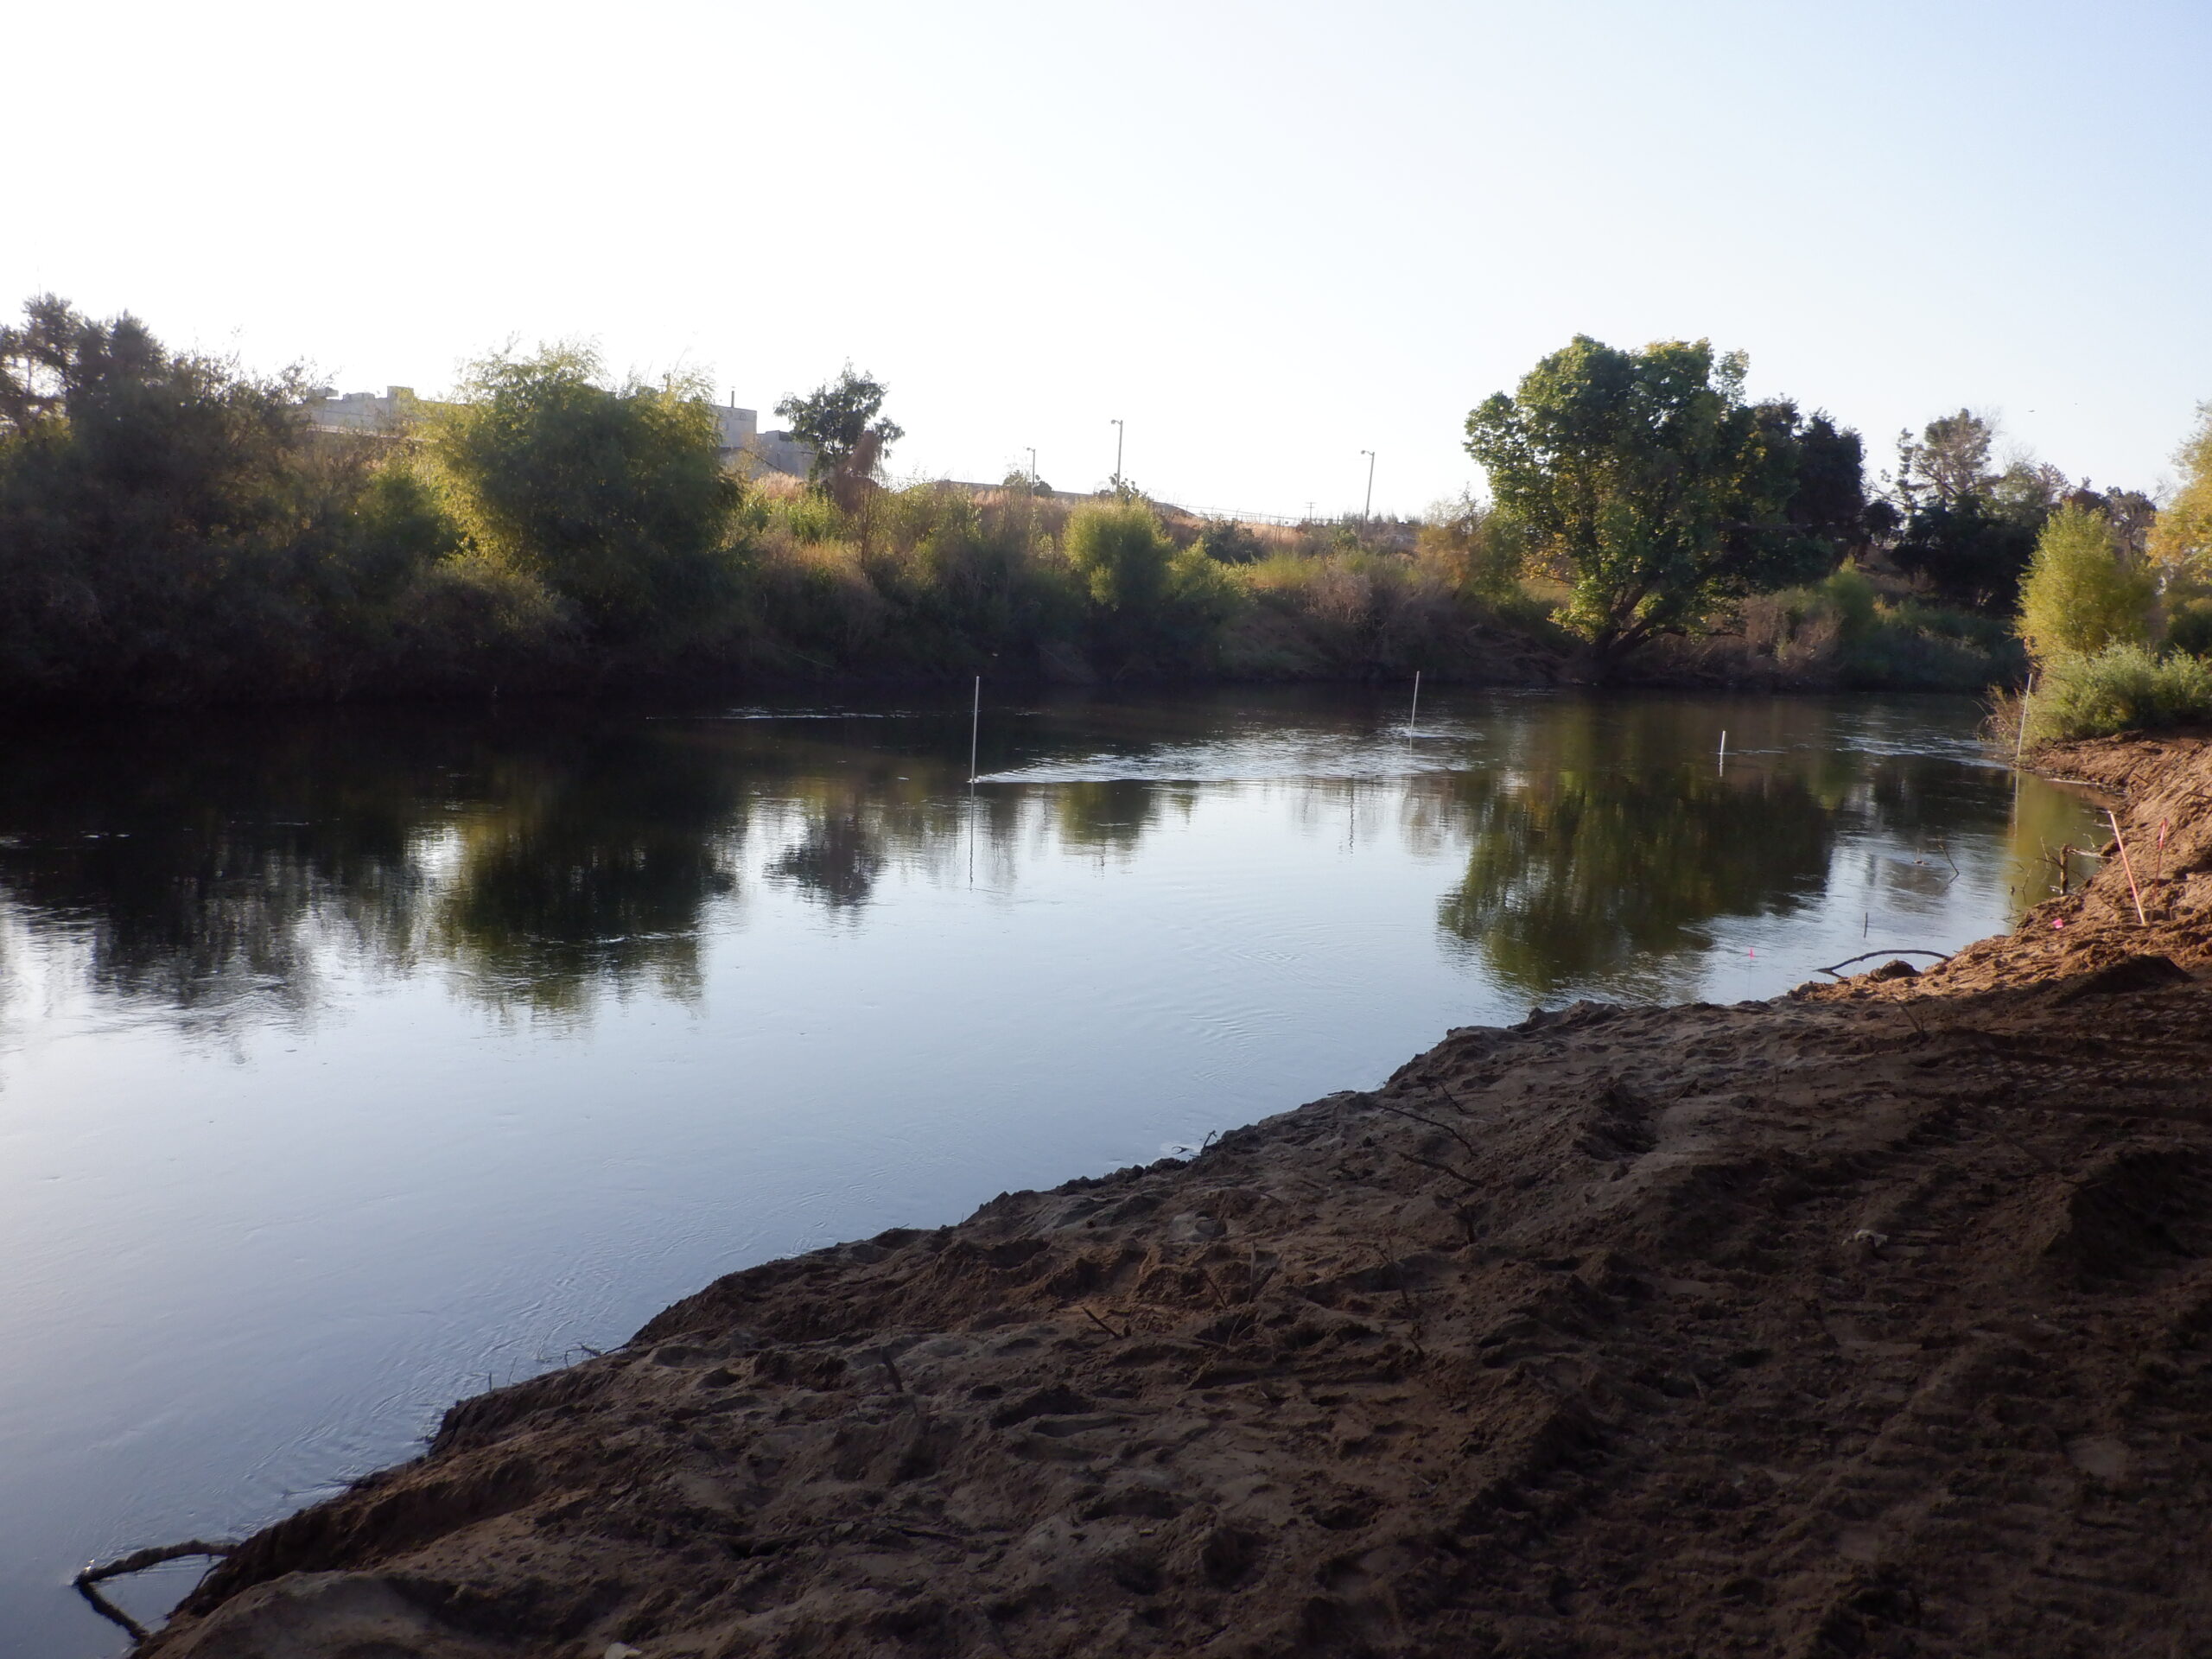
(1876, 1319)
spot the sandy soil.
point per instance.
(1876, 1319)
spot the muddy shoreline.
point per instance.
(1876, 1319)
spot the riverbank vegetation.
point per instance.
(176, 529)
(2116, 611)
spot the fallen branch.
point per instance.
(1469, 1182)
(138, 1562)
(1472, 1149)
(1940, 956)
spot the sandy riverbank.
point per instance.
(1873, 1319)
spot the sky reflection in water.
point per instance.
(348, 1062)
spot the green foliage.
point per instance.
(2078, 598)
(808, 518)
(1970, 552)
(1225, 541)
(2181, 542)
(966, 583)
(469, 622)
(843, 421)
(1949, 463)
(1646, 482)
(1913, 646)
(2189, 626)
(615, 496)
(1968, 530)
(1121, 554)
(2122, 687)
(162, 526)
(1851, 598)
(1481, 551)
(1151, 606)
(1354, 615)
(171, 528)
(1829, 500)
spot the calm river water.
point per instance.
(347, 1065)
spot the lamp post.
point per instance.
(1033, 463)
(1119, 432)
(1367, 511)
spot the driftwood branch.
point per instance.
(1472, 1149)
(1940, 956)
(87, 1582)
(1469, 1182)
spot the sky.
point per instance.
(1266, 236)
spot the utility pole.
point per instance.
(1367, 511)
(1033, 463)
(1119, 432)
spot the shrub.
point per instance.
(1851, 601)
(615, 496)
(2122, 687)
(472, 623)
(1227, 542)
(2189, 626)
(1481, 551)
(1120, 553)
(2078, 598)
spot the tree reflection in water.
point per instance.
(836, 862)
(1575, 877)
(545, 859)
(591, 868)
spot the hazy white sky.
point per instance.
(1267, 236)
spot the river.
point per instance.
(351, 1062)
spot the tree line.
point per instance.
(172, 528)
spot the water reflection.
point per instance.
(591, 864)
(837, 861)
(545, 859)
(193, 868)
(862, 993)
(1576, 876)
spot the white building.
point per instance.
(738, 438)
(364, 411)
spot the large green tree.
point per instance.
(1647, 482)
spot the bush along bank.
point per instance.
(2120, 624)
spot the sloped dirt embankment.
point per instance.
(1876, 1319)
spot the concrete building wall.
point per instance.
(737, 426)
(779, 451)
(365, 412)
(737, 431)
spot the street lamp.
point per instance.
(1367, 511)
(1119, 432)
